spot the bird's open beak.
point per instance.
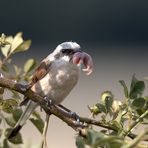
(83, 58)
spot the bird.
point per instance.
(55, 77)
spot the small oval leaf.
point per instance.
(17, 113)
(1, 132)
(5, 144)
(29, 65)
(38, 123)
(124, 87)
(23, 46)
(5, 50)
(6, 107)
(138, 103)
(5, 68)
(10, 121)
(16, 41)
(80, 142)
(12, 102)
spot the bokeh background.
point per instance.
(113, 32)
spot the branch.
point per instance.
(137, 139)
(52, 109)
(138, 120)
(98, 123)
(56, 110)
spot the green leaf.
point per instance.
(93, 137)
(5, 68)
(138, 103)
(136, 88)
(23, 46)
(16, 95)
(29, 65)
(1, 132)
(16, 41)
(108, 140)
(9, 39)
(146, 98)
(10, 121)
(36, 115)
(5, 144)
(124, 87)
(116, 106)
(116, 143)
(80, 142)
(116, 124)
(2, 90)
(17, 70)
(134, 81)
(107, 100)
(6, 107)
(101, 108)
(146, 106)
(94, 110)
(17, 114)
(15, 140)
(5, 50)
(12, 102)
(38, 124)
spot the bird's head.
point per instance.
(66, 49)
(71, 52)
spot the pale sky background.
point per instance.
(114, 33)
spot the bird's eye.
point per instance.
(67, 51)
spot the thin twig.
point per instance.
(136, 140)
(44, 142)
(134, 124)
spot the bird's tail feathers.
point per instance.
(26, 114)
(14, 132)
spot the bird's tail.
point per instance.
(26, 114)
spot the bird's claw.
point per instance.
(22, 87)
(75, 116)
(48, 101)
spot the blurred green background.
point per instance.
(113, 32)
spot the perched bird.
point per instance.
(55, 77)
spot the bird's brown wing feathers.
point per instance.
(41, 71)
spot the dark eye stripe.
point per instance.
(67, 51)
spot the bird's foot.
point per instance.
(75, 116)
(48, 101)
(23, 87)
(72, 114)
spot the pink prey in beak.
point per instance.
(85, 59)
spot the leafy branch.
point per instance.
(116, 118)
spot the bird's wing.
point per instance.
(41, 71)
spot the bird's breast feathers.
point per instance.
(59, 81)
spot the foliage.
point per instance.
(120, 117)
(117, 117)
(10, 111)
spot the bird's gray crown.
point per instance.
(67, 45)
